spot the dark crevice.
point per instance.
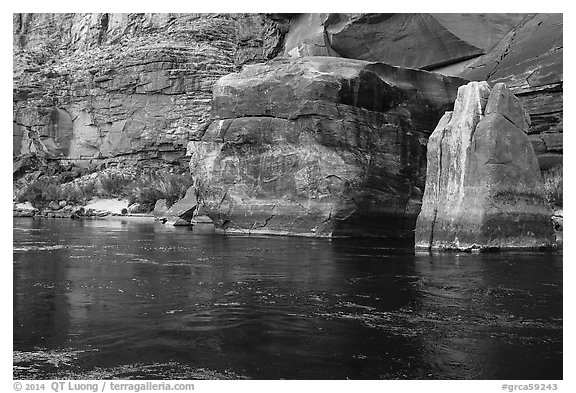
(444, 63)
(103, 28)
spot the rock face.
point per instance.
(424, 41)
(322, 147)
(483, 31)
(522, 50)
(529, 59)
(94, 88)
(318, 146)
(307, 37)
(410, 40)
(98, 87)
(483, 185)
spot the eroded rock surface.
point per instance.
(483, 184)
(525, 51)
(410, 40)
(529, 60)
(97, 87)
(318, 146)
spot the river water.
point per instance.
(123, 299)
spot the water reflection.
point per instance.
(488, 314)
(274, 307)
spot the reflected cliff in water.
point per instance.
(139, 300)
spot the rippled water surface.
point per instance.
(118, 299)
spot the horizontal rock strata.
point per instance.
(91, 88)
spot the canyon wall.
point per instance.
(94, 88)
(310, 124)
(524, 51)
(100, 87)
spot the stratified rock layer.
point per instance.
(483, 184)
(318, 146)
(97, 87)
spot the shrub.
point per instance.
(149, 187)
(553, 180)
(41, 192)
(145, 195)
(45, 189)
(87, 190)
(78, 193)
(153, 186)
(174, 186)
(113, 184)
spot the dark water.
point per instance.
(137, 300)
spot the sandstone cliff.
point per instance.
(94, 89)
(522, 50)
(529, 61)
(425, 41)
(98, 87)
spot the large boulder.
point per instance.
(318, 146)
(483, 184)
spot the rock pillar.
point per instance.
(483, 184)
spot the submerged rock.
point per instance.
(177, 222)
(483, 184)
(318, 146)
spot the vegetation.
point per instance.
(153, 186)
(145, 188)
(45, 189)
(41, 192)
(553, 184)
(113, 184)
